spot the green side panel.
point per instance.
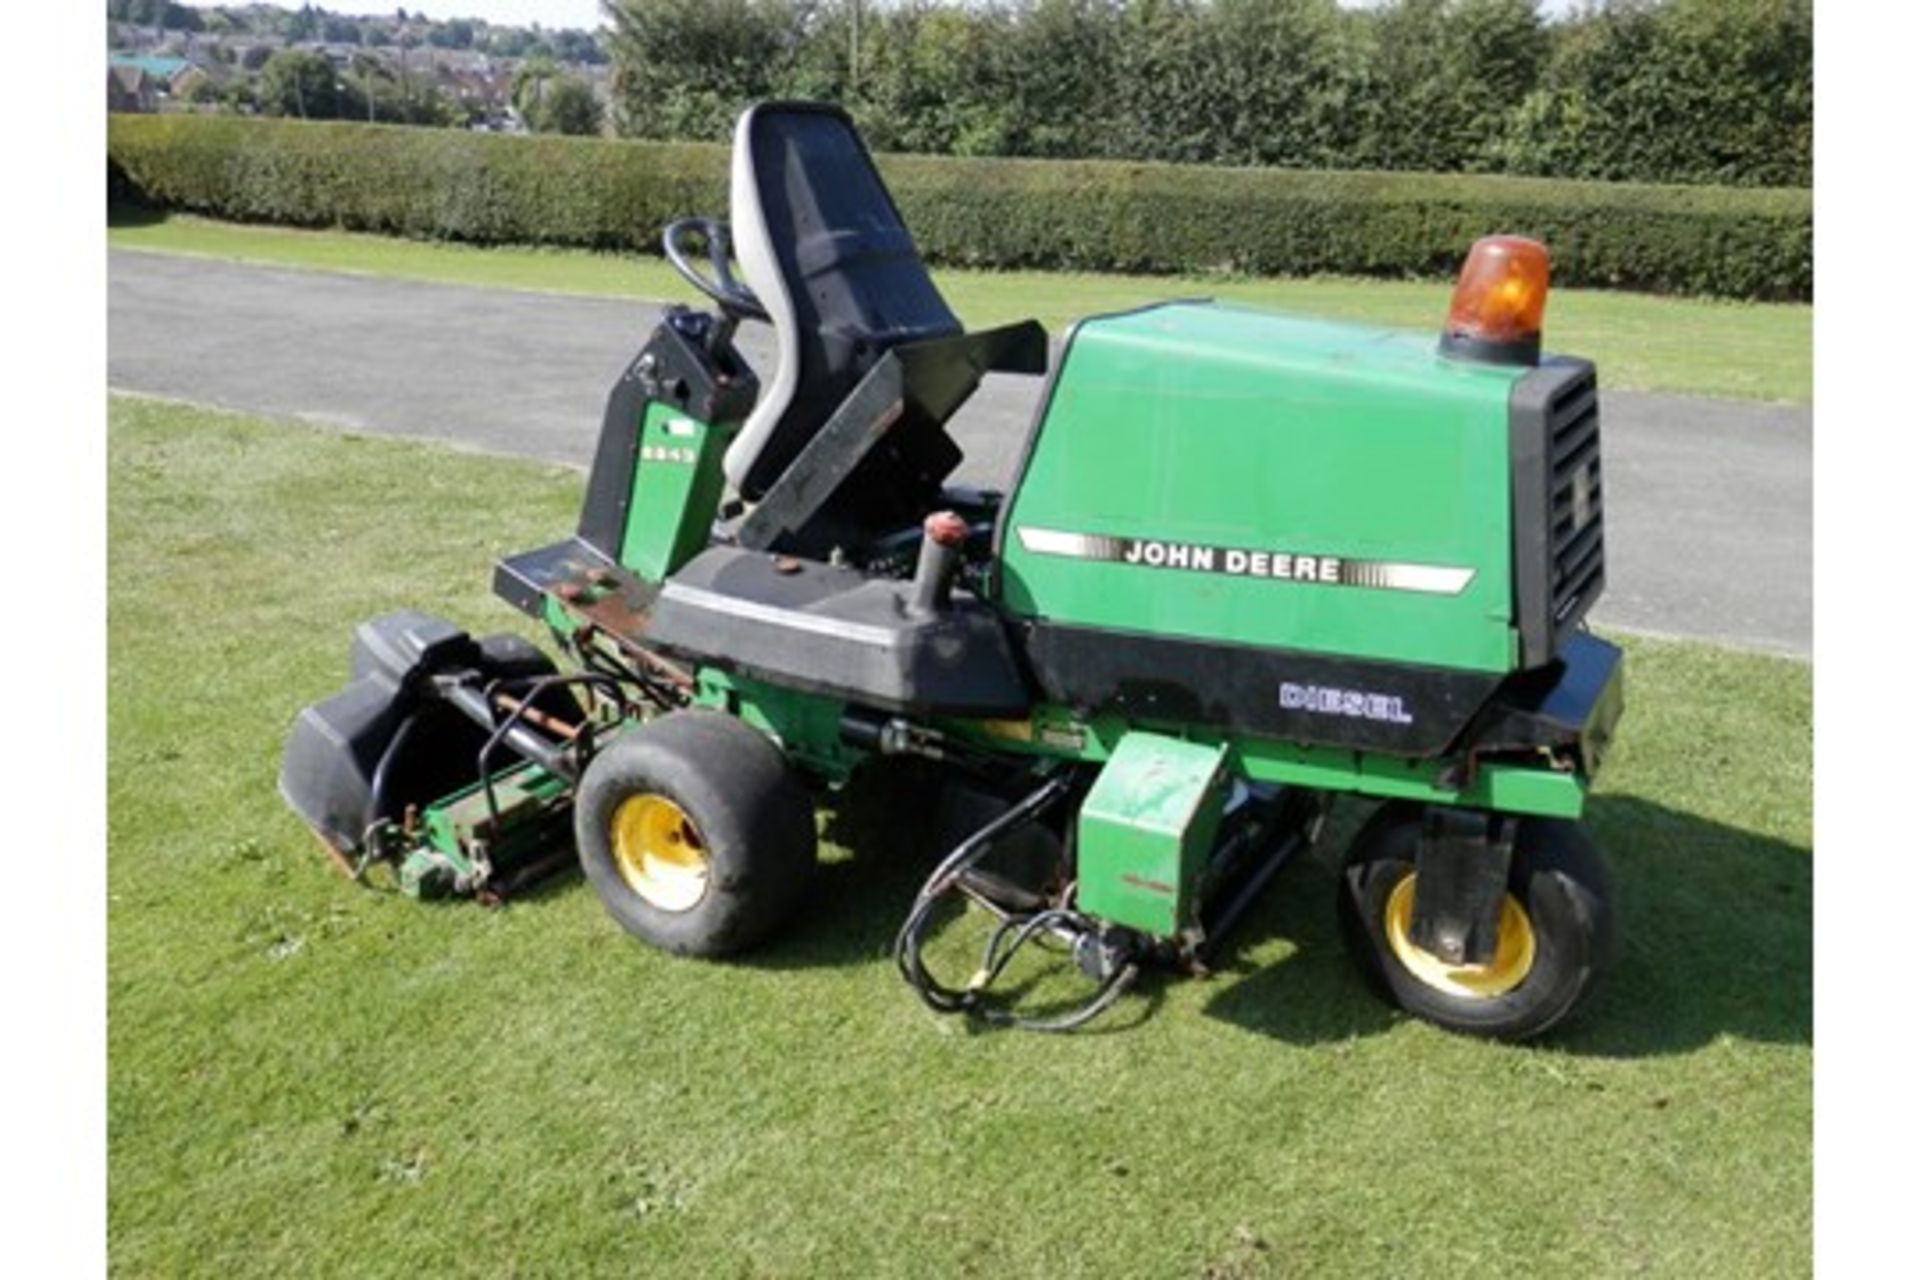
(1208, 426)
(521, 791)
(1056, 732)
(806, 726)
(677, 484)
(456, 829)
(1501, 788)
(1146, 831)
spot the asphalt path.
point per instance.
(1709, 502)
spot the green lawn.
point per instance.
(308, 1078)
(1758, 351)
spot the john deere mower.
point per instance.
(1246, 563)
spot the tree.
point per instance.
(178, 17)
(529, 84)
(577, 46)
(370, 77)
(299, 82)
(302, 24)
(1661, 90)
(508, 42)
(238, 98)
(932, 78)
(1714, 91)
(569, 107)
(549, 100)
(457, 34)
(1060, 64)
(1445, 77)
(1247, 82)
(685, 68)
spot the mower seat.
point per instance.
(822, 245)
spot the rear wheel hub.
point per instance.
(659, 852)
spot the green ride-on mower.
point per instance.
(1245, 563)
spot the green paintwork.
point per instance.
(1146, 830)
(806, 726)
(1226, 426)
(1218, 426)
(532, 804)
(677, 484)
(1056, 732)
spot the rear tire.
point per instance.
(695, 833)
(1556, 938)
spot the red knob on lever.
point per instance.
(944, 534)
(945, 528)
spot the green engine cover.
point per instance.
(1231, 474)
(1147, 830)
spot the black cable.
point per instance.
(383, 771)
(1011, 934)
(534, 690)
(1115, 985)
(663, 696)
(906, 947)
(1112, 987)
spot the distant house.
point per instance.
(131, 89)
(142, 82)
(206, 70)
(253, 54)
(161, 69)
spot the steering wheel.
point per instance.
(734, 298)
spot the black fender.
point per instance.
(387, 740)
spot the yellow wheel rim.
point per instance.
(659, 852)
(1512, 953)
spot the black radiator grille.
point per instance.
(1577, 542)
(1559, 544)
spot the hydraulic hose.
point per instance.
(1014, 932)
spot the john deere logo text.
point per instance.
(1248, 562)
(1256, 564)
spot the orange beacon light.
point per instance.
(1498, 304)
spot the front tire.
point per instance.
(695, 833)
(1555, 938)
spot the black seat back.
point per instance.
(823, 245)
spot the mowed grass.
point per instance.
(309, 1078)
(1641, 342)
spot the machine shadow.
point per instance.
(1713, 936)
(882, 824)
(879, 844)
(886, 824)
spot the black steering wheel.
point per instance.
(734, 298)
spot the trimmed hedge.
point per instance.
(1077, 215)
